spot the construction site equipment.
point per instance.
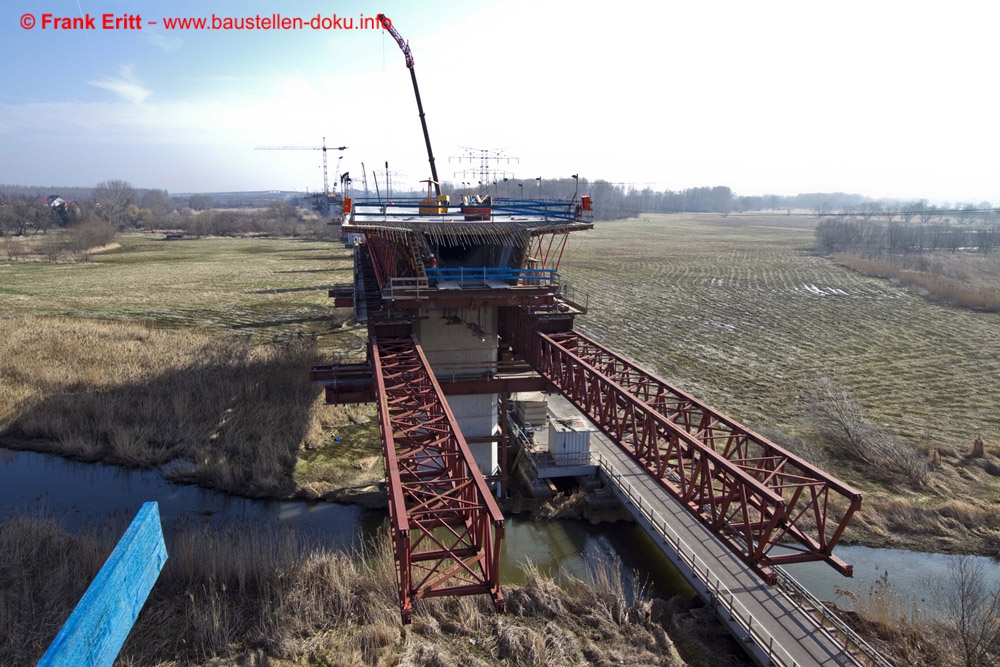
(430, 205)
(384, 21)
(326, 182)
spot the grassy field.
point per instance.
(252, 286)
(740, 312)
(193, 353)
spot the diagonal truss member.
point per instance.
(446, 527)
(752, 493)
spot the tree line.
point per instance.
(869, 237)
(116, 204)
(617, 201)
(124, 206)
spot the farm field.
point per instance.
(254, 286)
(740, 312)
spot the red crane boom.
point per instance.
(384, 21)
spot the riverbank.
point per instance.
(193, 355)
(220, 412)
(242, 595)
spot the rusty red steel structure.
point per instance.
(446, 528)
(753, 494)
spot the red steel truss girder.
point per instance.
(811, 494)
(753, 493)
(446, 527)
(744, 512)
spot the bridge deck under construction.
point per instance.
(748, 505)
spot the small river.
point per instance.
(76, 493)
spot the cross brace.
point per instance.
(753, 494)
(446, 527)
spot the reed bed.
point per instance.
(241, 595)
(222, 412)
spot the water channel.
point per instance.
(75, 493)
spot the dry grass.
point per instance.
(741, 313)
(239, 591)
(190, 352)
(948, 526)
(896, 628)
(940, 280)
(261, 288)
(225, 413)
(240, 595)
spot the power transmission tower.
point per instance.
(488, 160)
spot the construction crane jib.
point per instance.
(384, 21)
(326, 182)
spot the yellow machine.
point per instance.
(432, 205)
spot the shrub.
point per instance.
(842, 421)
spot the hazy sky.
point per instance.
(886, 99)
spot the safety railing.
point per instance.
(404, 287)
(721, 595)
(830, 621)
(367, 209)
(480, 274)
(411, 286)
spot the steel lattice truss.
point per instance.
(752, 493)
(446, 527)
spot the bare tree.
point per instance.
(53, 245)
(114, 199)
(14, 248)
(842, 421)
(88, 235)
(972, 607)
(200, 202)
(157, 202)
(870, 209)
(20, 215)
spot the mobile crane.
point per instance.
(431, 204)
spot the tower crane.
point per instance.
(384, 21)
(326, 182)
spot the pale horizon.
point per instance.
(888, 101)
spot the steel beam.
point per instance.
(819, 505)
(752, 493)
(446, 527)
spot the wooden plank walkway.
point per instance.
(777, 630)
